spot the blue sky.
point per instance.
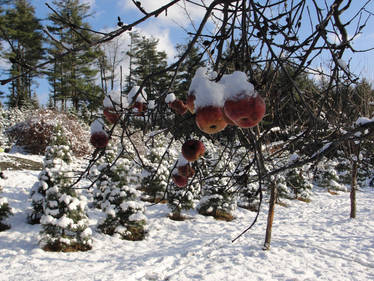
(170, 30)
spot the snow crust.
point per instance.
(310, 241)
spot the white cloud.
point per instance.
(179, 14)
(163, 35)
(89, 2)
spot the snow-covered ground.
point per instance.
(310, 241)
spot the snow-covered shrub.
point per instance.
(36, 133)
(182, 199)
(329, 177)
(8, 118)
(5, 212)
(120, 203)
(55, 157)
(158, 161)
(218, 197)
(299, 183)
(114, 192)
(248, 197)
(64, 221)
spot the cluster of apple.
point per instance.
(112, 107)
(231, 101)
(191, 151)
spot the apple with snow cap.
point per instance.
(246, 111)
(111, 115)
(210, 119)
(179, 180)
(243, 106)
(138, 99)
(99, 137)
(192, 150)
(208, 102)
(112, 102)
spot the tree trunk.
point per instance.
(353, 189)
(273, 196)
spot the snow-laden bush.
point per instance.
(64, 221)
(55, 157)
(180, 199)
(159, 161)
(299, 183)
(219, 198)
(124, 213)
(36, 133)
(8, 118)
(5, 212)
(327, 176)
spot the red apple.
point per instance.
(140, 106)
(210, 119)
(227, 119)
(190, 103)
(179, 180)
(245, 112)
(192, 150)
(186, 171)
(111, 115)
(99, 139)
(178, 106)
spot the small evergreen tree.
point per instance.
(158, 161)
(23, 30)
(299, 184)
(59, 149)
(218, 199)
(120, 202)
(64, 221)
(5, 212)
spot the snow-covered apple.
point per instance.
(111, 115)
(186, 170)
(192, 150)
(210, 119)
(99, 139)
(140, 106)
(178, 106)
(246, 111)
(179, 180)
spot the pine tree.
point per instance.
(115, 194)
(156, 172)
(218, 199)
(23, 31)
(64, 221)
(146, 60)
(59, 150)
(180, 199)
(5, 212)
(73, 76)
(187, 70)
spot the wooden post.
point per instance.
(353, 189)
(273, 196)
